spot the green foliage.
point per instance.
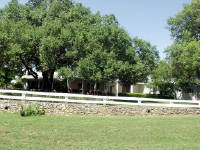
(31, 110)
(34, 34)
(99, 66)
(5, 77)
(162, 79)
(66, 73)
(147, 53)
(46, 35)
(186, 24)
(7, 67)
(35, 3)
(146, 95)
(184, 53)
(139, 62)
(184, 58)
(18, 85)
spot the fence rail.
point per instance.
(92, 99)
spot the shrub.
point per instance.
(31, 110)
(146, 95)
(18, 85)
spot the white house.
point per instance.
(77, 85)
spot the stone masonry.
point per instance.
(94, 109)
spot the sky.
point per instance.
(146, 19)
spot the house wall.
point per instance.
(114, 88)
(125, 88)
(32, 84)
(141, 88)
(76, 85)
(147, 90)
(138, 88)
(187, 96)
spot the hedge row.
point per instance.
(146, 95)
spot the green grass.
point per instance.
(99, 133)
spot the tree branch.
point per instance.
(29, 69)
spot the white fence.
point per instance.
(90, 99)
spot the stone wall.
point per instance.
(93, 109)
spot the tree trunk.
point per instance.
(90, 91)
(29, 68)
(67, 86)
(95, 88)
(105, 89)
(82, 86)
(69, 89)
(47, 82)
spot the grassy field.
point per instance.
(99, 133)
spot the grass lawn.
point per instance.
(99, 133)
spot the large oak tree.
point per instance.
(47, 35)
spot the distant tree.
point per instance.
(112, 54)
(67, 75)
(8, 69)
(35, 3)
(185, 62)
(139, 62)
(184, 52)
(97, 67)
(186, 24)
(147, 53)
(162, 80)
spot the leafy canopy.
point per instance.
(51, 35)
(184, 52)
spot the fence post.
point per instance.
(171, 102)
(66, 99)
(139, 101)
(104, 101)
(23, 96)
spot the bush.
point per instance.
(18, 85)
(146, 95)
(31, 110)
